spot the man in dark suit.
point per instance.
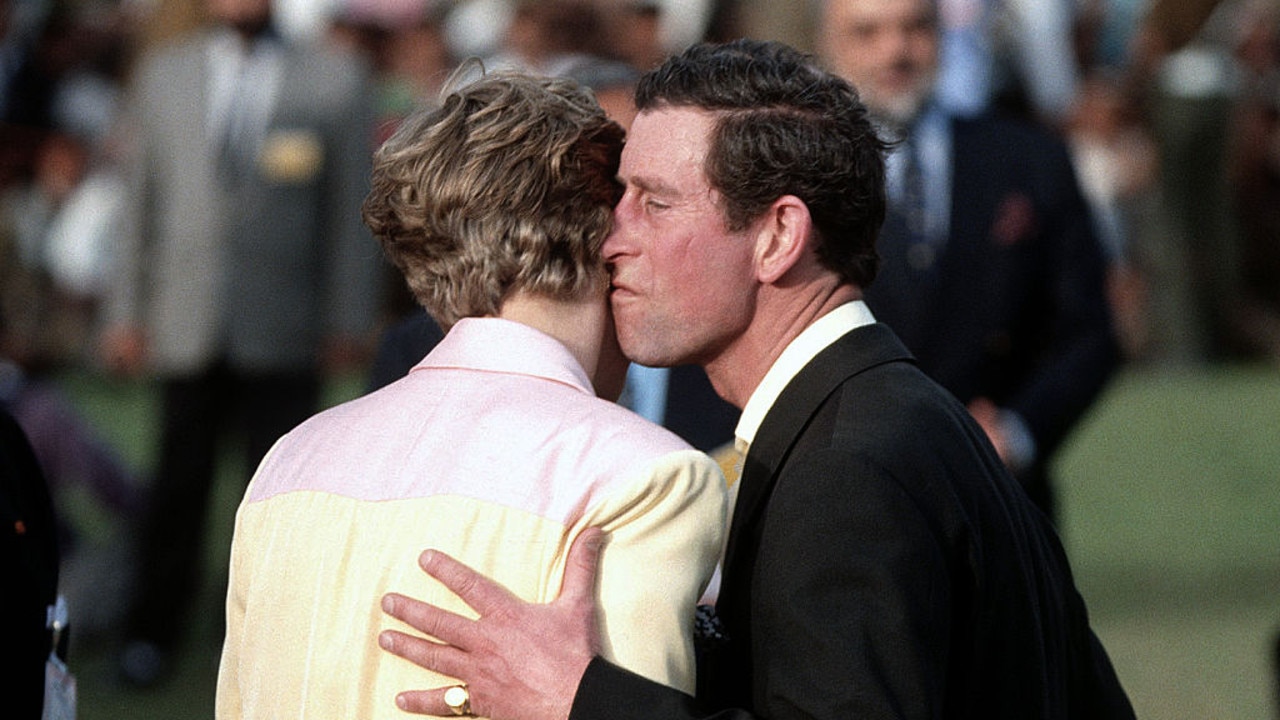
(29, 566)
(991, 273)
(881, 561)
(245, 271)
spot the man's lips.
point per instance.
(619, 288)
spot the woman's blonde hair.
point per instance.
(509, 185)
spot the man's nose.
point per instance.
(616, 242)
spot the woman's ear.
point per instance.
(783, 235)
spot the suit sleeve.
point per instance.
(354, 262)
(858, 622)
(1082, 350)
(664, 533)
(126, 293)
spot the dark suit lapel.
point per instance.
(974, 155)
(966, 197)
(856, 352)
(725, 668)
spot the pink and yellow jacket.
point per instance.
(495, 450)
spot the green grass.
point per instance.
(1171, 507)
(125, 413)
(1172, 493)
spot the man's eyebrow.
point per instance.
(649, 185)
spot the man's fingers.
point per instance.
(519, 659)
(430, 620)
(580, 568)
(426, 702)
(441, 658)
(423, 702)
(444, 659)
(482, 594)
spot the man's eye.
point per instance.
(655, 204)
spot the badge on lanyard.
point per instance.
(59, 683)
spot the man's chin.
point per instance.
(638, 351)
(899, 111)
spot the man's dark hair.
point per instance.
(785, 126)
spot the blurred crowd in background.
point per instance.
(1174, 130)
(1171, 111)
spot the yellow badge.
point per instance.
(291, 156)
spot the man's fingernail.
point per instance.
(385, 641)
(401, 702)
(425, 558)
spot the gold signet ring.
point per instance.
(458, 700)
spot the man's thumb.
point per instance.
(580, 568)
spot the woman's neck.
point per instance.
(584, 326)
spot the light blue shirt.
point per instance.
(645, 392)
(985, 44)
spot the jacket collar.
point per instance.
(856, 352)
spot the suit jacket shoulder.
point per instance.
(882, 562)
(1017, 310)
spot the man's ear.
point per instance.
(783, 235)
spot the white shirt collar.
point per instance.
(236, 68)
(798, 353)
